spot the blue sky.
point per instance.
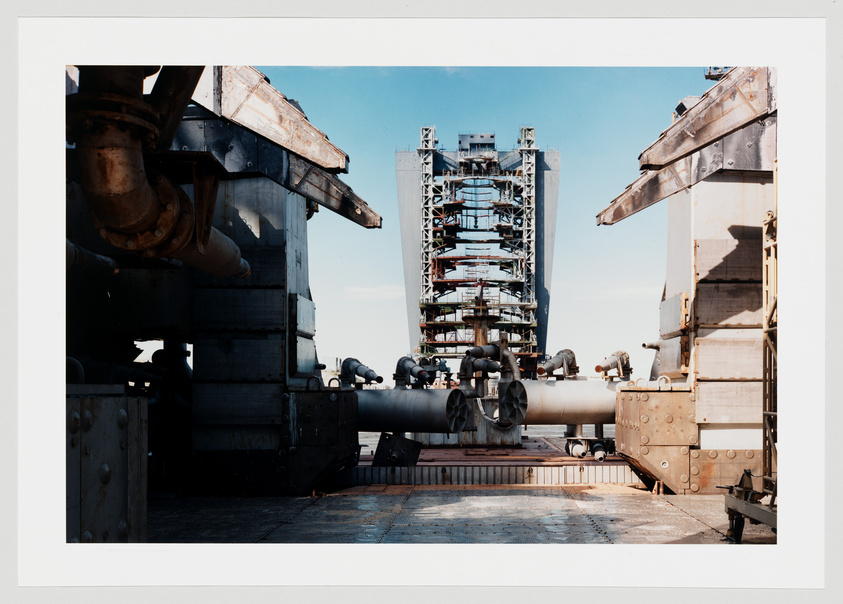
(607, 281)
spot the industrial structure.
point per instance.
(478, 227)
(708, 413)
(188, 195)
(189, 190)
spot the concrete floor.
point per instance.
(600, 513)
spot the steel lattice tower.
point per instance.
(474, 222)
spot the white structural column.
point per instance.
(528, 199)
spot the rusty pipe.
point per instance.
(111, 126)
(563, 358)
(114, 177)
(411, 410)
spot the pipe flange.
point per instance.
(167, 222)
(87, 109)
(182, 233)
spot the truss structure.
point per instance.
(478, 238)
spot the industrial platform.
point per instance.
(452, 514)
(477, 499)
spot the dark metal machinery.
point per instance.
(186, 223)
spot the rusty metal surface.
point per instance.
(751, 149)
(606, 514)
(712, 468)
(655, 431)
(243, 95)
(741, 96)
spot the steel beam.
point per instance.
(242, 94)
(240, 151)
(742, 96)
(752, 148)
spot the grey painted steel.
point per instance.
(560, 401)
(411, 410)
(242, 152)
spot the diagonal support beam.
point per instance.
(742, 96)
(329, 191)
(241, 152)
(243, 95)
(752, 148)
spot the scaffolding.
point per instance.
(478, 239)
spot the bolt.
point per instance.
(158, 232)
(175, 240)
(130, 243)
(668, 418)
(644, 450)
(170, 207)
(684, 450)
(730, 454)
(645, 396)
(74, 441)
(695, 454)
(691, 397)
(683, 478)
(105, 473)
(695, 487)
(645, 439)
(692, 440)
(750, 454)
(712, 454)
(333, 396)
(749, 144)
(87, 421)
(645, 419)
(730, 162)
(122, 418)
(73, 422)
(695, 470)
(103, 232)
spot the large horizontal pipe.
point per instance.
(412, 410)
(554, 402)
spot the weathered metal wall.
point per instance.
(106, 459)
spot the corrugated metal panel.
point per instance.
(492, 475)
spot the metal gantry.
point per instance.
(478, 238)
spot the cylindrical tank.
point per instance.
(412, 410)
(553, 402)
